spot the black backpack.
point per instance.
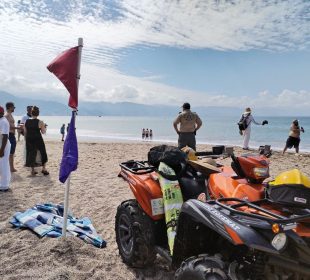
(243, 123)
(170, 155)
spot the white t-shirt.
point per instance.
(24, 118)
(4, 128)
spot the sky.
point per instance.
(206, 52)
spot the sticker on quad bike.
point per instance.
(173, 200)
(157, 206)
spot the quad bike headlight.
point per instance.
(261, 172)
(279, 241)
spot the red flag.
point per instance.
(65, 67)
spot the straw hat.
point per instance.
(247, 110)
(190, 153)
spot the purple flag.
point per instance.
(70, 155)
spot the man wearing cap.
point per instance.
(247, 132)
(27, 116)
(5, 147)
(186, 125)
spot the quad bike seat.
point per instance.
(192, 183)
(235, 165)
(254, 168)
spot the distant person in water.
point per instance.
(151, 134)
(143, 134)
(62, 132)
(293, 139)
(147, 134)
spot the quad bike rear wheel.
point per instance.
(203, 267)
(134, 235)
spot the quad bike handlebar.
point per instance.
(144, 167)
(138, 167)
(270, 217)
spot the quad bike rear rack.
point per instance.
(270, 217)
(137, 167)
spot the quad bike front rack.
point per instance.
(270, 217)
(137, 167)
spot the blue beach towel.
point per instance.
(47, 220)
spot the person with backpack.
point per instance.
(245, 127)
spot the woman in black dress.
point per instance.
(34, 141)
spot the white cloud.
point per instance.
(31, 37)
(112, 86)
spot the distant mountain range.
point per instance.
(54, 108)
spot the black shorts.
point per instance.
(292, 142)
(12, 140)
(187, 139)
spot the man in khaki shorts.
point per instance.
(189, 122)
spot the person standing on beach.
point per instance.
(247, 119)
(34, 141)
(9, 116)
(18, 130)
(189, 122)
(143, 133)
(27, 116)
(293, 139)
(5, 147)
(22, 123)
(62, 132)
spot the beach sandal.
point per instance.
(34, 173)
(45, 173)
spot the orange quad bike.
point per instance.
(237, 233)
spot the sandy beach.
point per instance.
(96, 191)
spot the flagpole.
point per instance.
(66, 202)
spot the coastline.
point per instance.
(216, 130)
(113, 139)
(95, 192)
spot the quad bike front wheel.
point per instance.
(203, 267)
(134, 235)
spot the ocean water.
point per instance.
(215, 130)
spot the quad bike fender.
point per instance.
(224, 185)
(221, 222)
(147, 192)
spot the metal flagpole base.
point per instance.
(66, 206)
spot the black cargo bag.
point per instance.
(290, 194)
(170, 155)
